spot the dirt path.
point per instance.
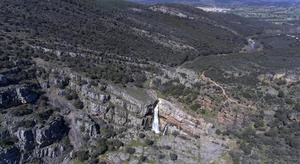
(228, 98)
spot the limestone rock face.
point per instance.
(134, 100)
(3, 81)
(10, 155)
(82, 128)
(26, 139)
(173, 114)
(147, 122)
(15, 96)
(4, 134)
(51, 151)
(55, 130)
(294, 116)
(8, 98)
(26, 95)
(230, 118)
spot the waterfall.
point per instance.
(155, 123)
(165, 129)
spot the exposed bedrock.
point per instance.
(172, 114)
(16, 95)
(9, 155)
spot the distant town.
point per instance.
(274, 14)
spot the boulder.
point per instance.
(16, 96)
(147, 122)
(9, 155)
(4, 134)
(26, 139)
(26, 95)
(3, 81)
(8, 98)
(53, 131)
(295, 116)
(82, 128)
(87, 127)
(97, 109)
(50, 151)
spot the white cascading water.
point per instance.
(165, 129)
(155, 123)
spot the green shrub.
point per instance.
(142, 135)
(246, 148)
(101, 149)
(259, 123)
(62, 84)
(6, 143)
(289, 101)
(22, 111)
(293, 142)
(161, 156)
(94, 161)
(78, 104)
(271, 133)
(218, 132)
(173, 156)
(235, 155)
(149, 142)
(114, 144)
(82, 155)
(281, 94)
(94, 83)
(167, 147)
(175, 133)
(117, 143)
(71, 95)
(143, 159)
(45, 115)
(26, 124)
(130, 150)
(195, 107)
(297, 107)
(281, 82)
(107, 132)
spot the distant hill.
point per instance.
(116, 32)
(223, 2)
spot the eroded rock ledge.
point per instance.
(174, 115)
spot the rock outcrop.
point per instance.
(51, 151)
(26, 139)
(9, 155)
(8, 98)
(53, 131)
(82, 128)
(174, 115)
(3, 81)
(14, 96)
(26, 95)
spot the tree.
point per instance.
(297, 107)
(173, 156)
(78, 104)
(130, 150)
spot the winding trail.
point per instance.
(229, 99)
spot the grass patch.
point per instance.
(136, 143)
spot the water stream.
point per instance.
(166, 129)
(155, 123)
